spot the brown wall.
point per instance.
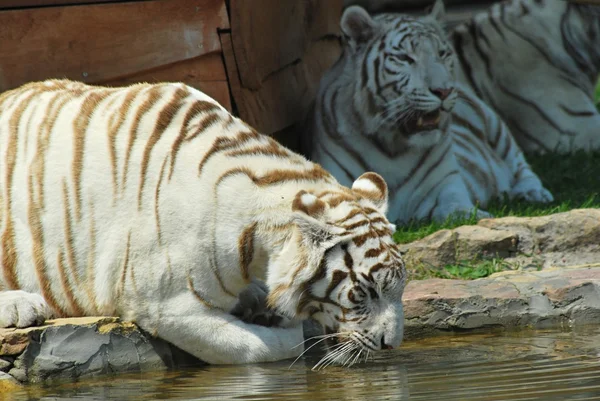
(275, 56)
(115, 43)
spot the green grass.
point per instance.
(467, 270)
(573, 180)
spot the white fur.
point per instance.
(22, 309)
(308, 200)
(523, 65)
(365, 185)
(160, 247)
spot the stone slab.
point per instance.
(562, 239)
(80, 347)
(551, 297)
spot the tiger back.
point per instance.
(536, 63)
(151, 202)
(391, 104)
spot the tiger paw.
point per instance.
(462, 213)
(531, 193)
(22, 309)
(252, 306)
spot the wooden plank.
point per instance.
(285, 96)
(269, 35)
(206, 73)
(97, 43)
(46, 3)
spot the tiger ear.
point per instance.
(373, 187)
(308, 216)
(357, 25)
(438, 11)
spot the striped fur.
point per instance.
(536, 62)
(391, 104)
(153, 203)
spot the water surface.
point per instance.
(531, 365)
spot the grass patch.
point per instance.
(464, 270)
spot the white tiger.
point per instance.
(536, 63)
(391, 105)
(153, 203)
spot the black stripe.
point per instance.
(536, 107)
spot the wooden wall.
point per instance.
(275, 55)
(114, 42)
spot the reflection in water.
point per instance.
(534, 365)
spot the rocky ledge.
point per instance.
(553, 297)
(562, 239)
(77, 347)
(554, 293)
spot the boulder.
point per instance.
(554, 297)
(78, 347)
(561, 239)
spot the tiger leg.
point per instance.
(22, 309)
(454, 202)
(252, 306)
(217, 337)
(525, 183)
(587, 129)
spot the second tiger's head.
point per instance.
(404, 72)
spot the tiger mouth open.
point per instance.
(424, 122)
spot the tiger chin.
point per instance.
(152, 203)
(391, 104)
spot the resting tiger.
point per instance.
(152, 203)
(391, 105)
(536, 63)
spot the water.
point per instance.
(531, 365)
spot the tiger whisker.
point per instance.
(334, 355)
(394, 115)
(360, 351)
(324, 337)
(346, 355)
(341, 355)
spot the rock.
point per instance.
(560, 239)
(13, 341)
(447, 247)
(576, 230)
(5, 364)
(8, 383)
(554, 297)
(72, 348)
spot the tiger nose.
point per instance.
(442, 93)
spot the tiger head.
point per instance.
(403, 66)
(343, 269)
